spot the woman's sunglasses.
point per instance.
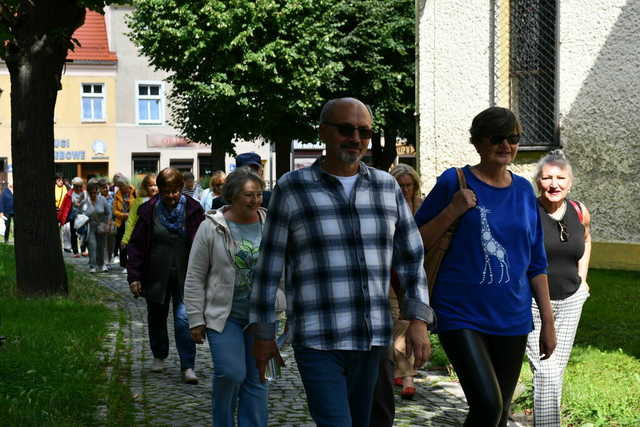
(564, 233)
(497, 139)
(347, 130)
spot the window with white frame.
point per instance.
(93, 102)
(149, 100)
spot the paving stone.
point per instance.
(162, 399)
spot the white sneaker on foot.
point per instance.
(92, 270)
(105, 268)
(189, 376)
(158, 365)
(124, 271)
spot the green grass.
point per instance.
(602, 380)
(52, 367)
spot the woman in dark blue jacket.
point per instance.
(6, 209)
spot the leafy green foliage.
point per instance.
(378, 52)
(602, 380)
(250, 68)
(264, 68)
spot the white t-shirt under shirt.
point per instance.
(348, 182)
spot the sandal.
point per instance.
(408, 393)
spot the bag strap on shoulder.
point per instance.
(462, 181)
(578, 208)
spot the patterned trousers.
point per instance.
(548, 374)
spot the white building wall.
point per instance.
(599, 100)
(454, 38)
(600, 111)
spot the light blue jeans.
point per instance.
(236, 381)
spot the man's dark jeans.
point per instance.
(339, 384)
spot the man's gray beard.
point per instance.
(349, 158)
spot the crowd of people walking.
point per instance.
(340, 246)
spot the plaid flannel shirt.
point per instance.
(337, 256)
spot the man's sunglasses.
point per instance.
(347, 130)
(497, 139)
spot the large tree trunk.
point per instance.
(283, 156)
(218, 158)
(35, 65)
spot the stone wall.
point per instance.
(600, 111)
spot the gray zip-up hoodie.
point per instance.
(210, 281)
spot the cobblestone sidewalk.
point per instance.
(163, 400)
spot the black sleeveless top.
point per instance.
(563, 257)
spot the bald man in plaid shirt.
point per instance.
(336, 229)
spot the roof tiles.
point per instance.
(92, 36)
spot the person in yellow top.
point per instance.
(121, 205)
(148, 189)
(60, 191)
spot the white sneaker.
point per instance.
(189, 376)
(92, 270)
(105, 268)
(124, 271)
(158, 365)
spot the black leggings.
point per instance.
(488, 367)
(7, 229)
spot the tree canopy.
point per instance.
(264, 68)
(243, 67)
(378, 54)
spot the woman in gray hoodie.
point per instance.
(217, 290)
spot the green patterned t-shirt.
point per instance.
(247, 238)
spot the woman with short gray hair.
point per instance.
(98, 211)
(567, 240)
(217, 295)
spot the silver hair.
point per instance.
(555, 157)
(328, 107)
(123, 181)
(77, 181)
(237, 179)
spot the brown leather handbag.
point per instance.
(433, 257)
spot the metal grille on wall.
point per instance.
(525, 53)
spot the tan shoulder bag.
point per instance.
(433, 257)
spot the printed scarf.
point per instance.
(173, 220)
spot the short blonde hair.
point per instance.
(403, 169)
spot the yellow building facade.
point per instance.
(85, 113)
(84, 129)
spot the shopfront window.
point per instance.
(183, 165)
(145, 164)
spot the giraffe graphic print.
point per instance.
(492, 249)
